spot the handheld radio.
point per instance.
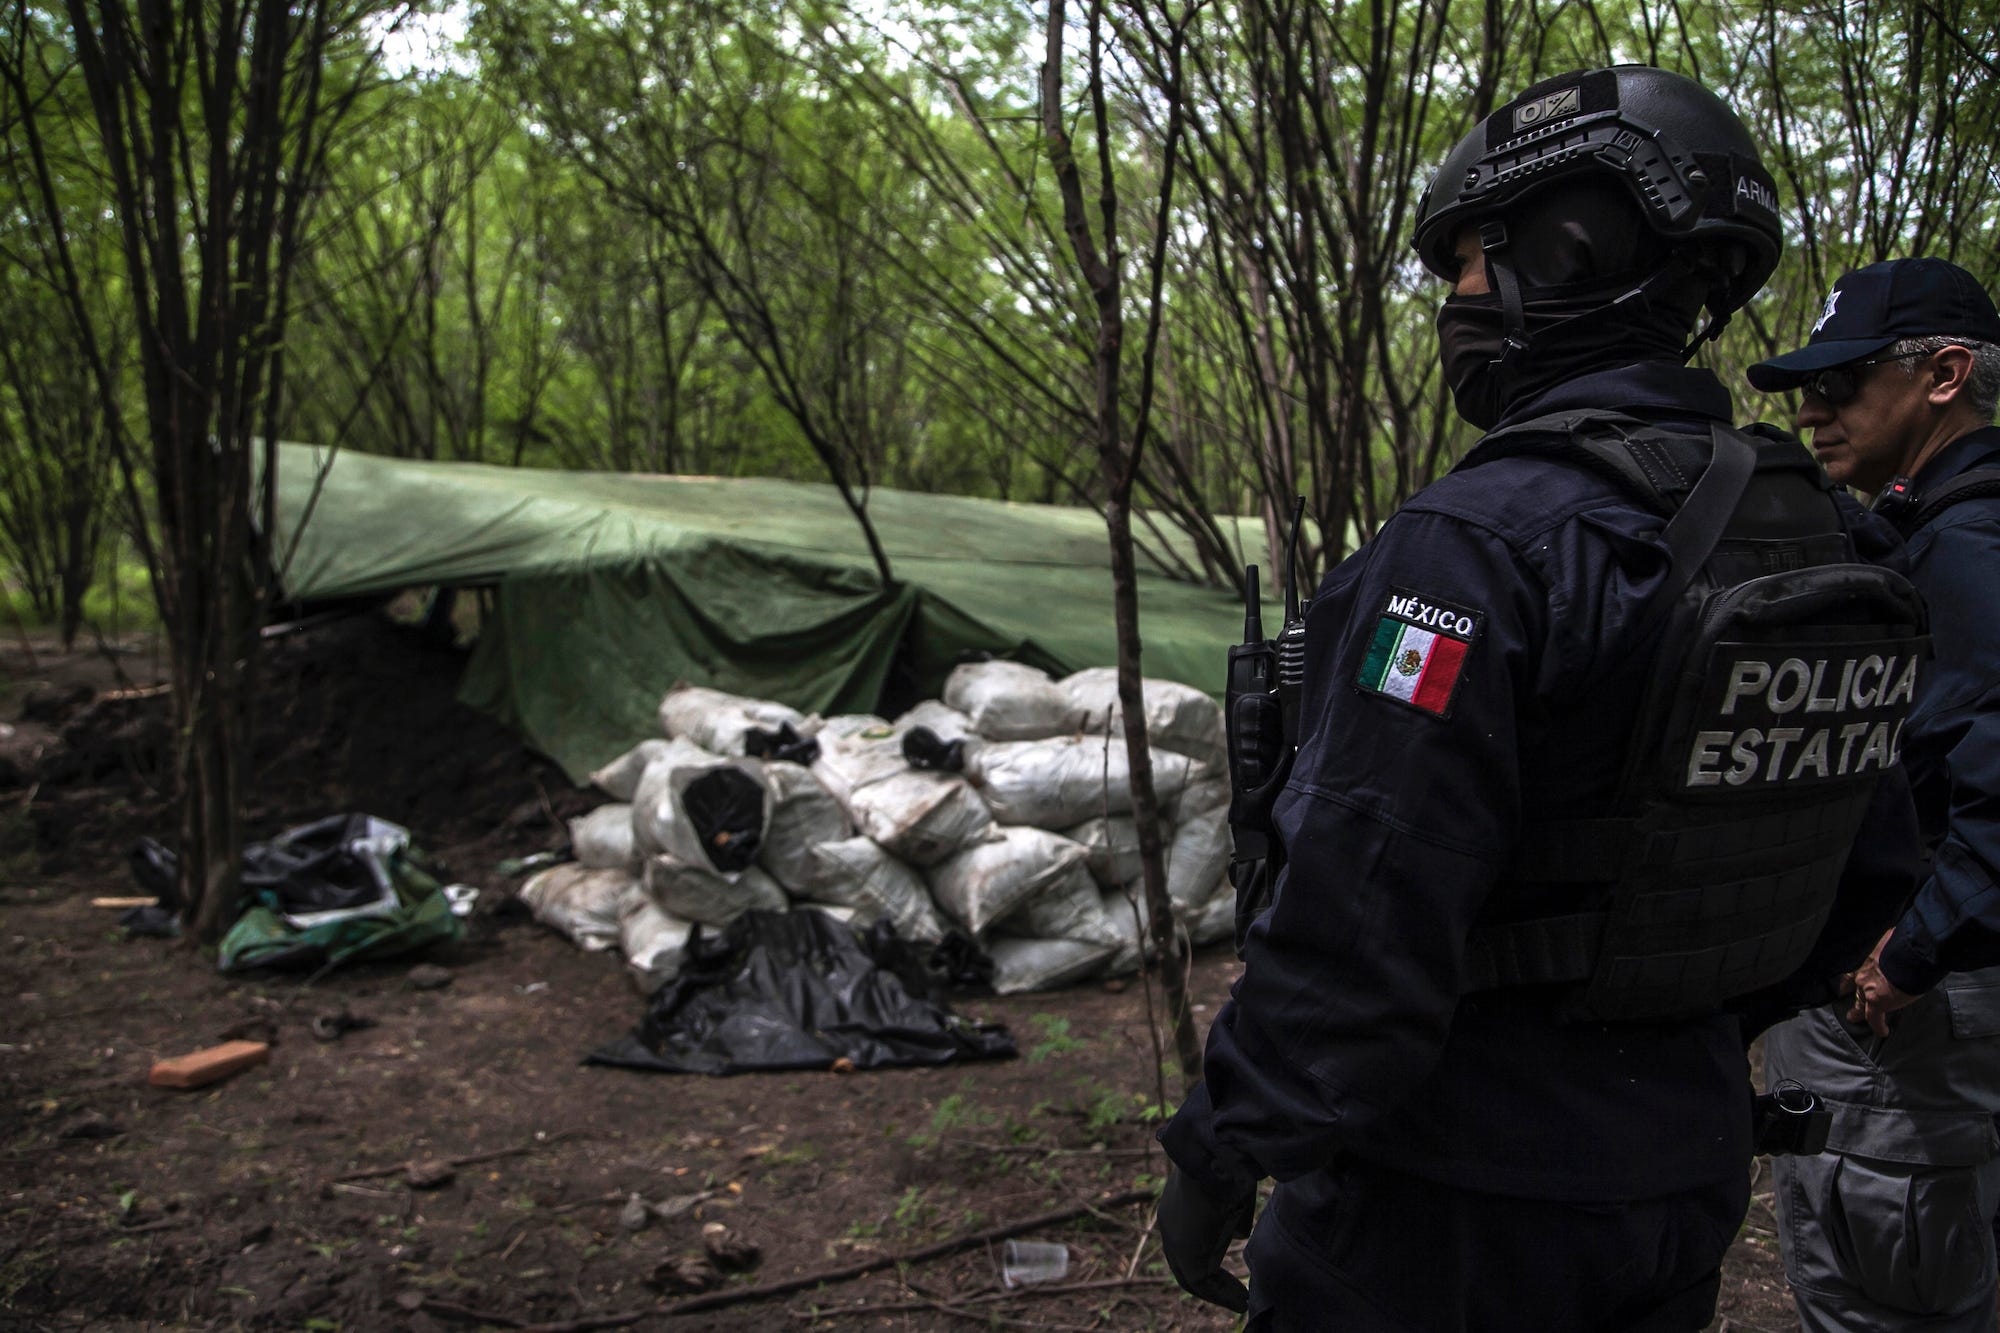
(1266, 681)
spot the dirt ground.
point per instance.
(279, 1199)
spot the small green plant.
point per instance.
(1104, 1111)
(1055, 1038)
(958, 1112)
(913, 1211)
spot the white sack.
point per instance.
(1009, 701)
(659, 821)
(944, 721)
(717, 721)
(1030, 965)
(1215, 919)
(804, 814)
(1199, 797)
(1111, 843)
(846, 916)
(1133, 942)
(698, 893)
(990, 879)
(845, 725)
(655, 944)
(1062, 782)
(1178, 717)
(602, 839)
(583, 903)
(620, 778)
(921, 817)
(859, 874)
(1198, 858)
(1070, 909)
(847, 763)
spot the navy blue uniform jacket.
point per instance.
(1951, 746)
(1346, 1032)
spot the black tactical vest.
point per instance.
(1786, 671)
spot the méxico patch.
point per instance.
(1417, 651)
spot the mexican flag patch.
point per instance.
(1418, 651)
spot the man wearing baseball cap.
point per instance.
(1889, 1229)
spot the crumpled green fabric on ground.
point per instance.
(262, 938)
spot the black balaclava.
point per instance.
(1595, 287)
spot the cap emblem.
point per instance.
(1832, 300)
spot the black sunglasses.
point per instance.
(1837, 386)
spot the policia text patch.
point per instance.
(1799, 713)
(1417, 651)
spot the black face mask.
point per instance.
(1568, 335)
(1470, 338)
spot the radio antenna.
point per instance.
(1292, 561)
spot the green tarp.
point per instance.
(609, 588)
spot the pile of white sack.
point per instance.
(1031, 850)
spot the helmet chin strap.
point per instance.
(1718, 296)
(1493, 243)
(1516, 341)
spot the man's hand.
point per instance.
(1195, 1231)
(1875, 996)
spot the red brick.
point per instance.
(199, 1068)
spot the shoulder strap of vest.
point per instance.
(1971, 484)
(1592, 440)
(1619, 447)
(1692, 533)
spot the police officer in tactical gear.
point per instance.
(1559, 814)
(1888, 1230)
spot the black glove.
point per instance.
(1195, 1230)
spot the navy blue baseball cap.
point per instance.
(1870, 308)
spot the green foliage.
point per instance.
(1052, 1038)
(958, 1111)
(786, 239)
(914, 1210)
(1111, 1108)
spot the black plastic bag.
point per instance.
(726, 807)
(784, 743)
(925, 749)
(314, 867)
(793, 990)
(157, 868)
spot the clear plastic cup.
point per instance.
(1026, 1262)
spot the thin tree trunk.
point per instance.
(1119, 464)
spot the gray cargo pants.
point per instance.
(1884, 1247)
(1890, 1230)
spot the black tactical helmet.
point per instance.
(1688, 161)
